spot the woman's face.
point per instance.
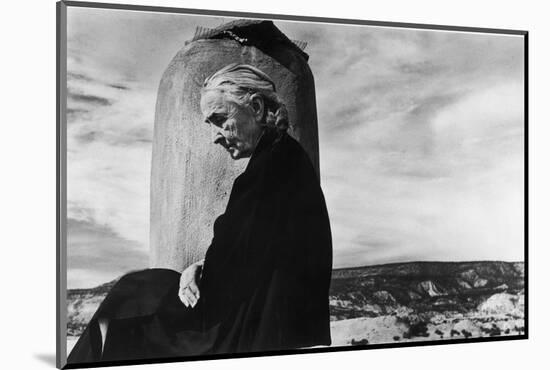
(235, 127)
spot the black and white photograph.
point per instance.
(243, 185)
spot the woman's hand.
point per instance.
(189, 290)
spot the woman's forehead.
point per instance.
(213, 100)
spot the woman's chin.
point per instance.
(234, 153)
(238, 154)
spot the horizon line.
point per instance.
(335, 269)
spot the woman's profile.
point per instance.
(263, 283)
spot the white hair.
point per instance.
(238, 82)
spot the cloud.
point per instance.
(74, 113)
(421, 137)
(419, 130)
(111, 182)
(460, 200)
(96, 254)
(389, 71)
(119, 87)
(109, 151)
(77, 76)
(91, 99)
(88, 137)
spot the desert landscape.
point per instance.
(426, 301)
(392, 303)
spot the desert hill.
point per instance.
(421, 286)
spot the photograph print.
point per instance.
(240, 185)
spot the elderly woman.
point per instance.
(263, 284)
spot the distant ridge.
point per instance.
(437, 268)
(422, 286)
(336, 273)
(425, 262)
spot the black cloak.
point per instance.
(265, 279)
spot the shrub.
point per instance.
(419, 329)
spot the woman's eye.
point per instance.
(217, 120)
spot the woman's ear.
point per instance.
(257, 105)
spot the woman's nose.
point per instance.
(215, 134)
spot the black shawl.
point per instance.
(265, 278)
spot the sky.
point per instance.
(421, 137)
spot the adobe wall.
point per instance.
(191, 178)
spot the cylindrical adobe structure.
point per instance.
(191, 178)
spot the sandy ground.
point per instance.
(391, 329)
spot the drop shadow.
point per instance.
(47, 358)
